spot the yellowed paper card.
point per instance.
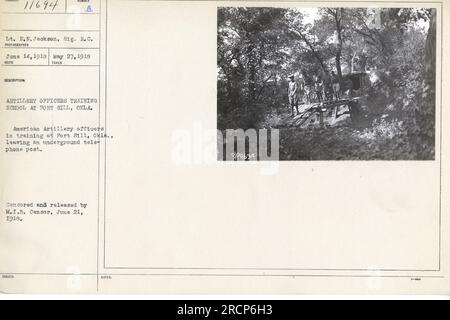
(224, 147)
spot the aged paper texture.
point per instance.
(224, 147)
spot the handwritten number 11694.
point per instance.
(45, 5)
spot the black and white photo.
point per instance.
(336, 83)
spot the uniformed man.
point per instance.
(293, 92)
(318, 86)
(308, 89)
(301, 89)
(327, 88)
(336, 86)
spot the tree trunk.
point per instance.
(338, 18)
(430, 51)
(338, 67)
(425, 116)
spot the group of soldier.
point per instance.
(325, 87)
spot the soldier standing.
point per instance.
(336, 86)
(318, 86)
(301, 89)
(328, 90)
(293, 92)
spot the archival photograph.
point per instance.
(326, 83)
